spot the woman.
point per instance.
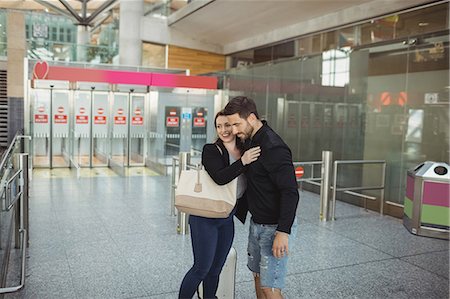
(212, 237)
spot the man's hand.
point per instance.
(280, 244)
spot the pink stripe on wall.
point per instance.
(125, 77)
(75, 74)
(170, 80)
(436, 194)
(410, 187)
(118, 77)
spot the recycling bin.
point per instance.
(427, 200)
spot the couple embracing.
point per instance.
(246, 148)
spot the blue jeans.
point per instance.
(272, 270)
(211, 242)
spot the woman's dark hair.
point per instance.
(239, 143)
(242, 105)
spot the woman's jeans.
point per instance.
(211, 242)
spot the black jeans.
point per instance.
(211, 242)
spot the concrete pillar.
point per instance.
(16, 52)
(82, 42)
(130, 43)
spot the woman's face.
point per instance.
(224, 129)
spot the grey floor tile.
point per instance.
(112, 237)
(47, 280)
(317, 248)
(115, 284)
(386, 234)
(435, 262)
(383, 279)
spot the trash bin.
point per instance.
(427, 201)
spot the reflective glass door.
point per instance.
(100, 140)
(119, 129)
(82, 135)
(59, 128)
(137, 132)
(40, 102)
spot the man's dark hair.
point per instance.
(242, 105)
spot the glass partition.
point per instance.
(381, 94)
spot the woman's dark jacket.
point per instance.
(217, 164)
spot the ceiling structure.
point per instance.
(36, 5)
(228, 25)
(82, 12)
(234, 25)
(226, 21)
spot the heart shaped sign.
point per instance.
(40, 70)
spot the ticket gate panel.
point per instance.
(137, 136)
(199, 126)
(119, 119)
(40, 102)
(100, 140)
(81, 121)
(172, 130)
(60, 129)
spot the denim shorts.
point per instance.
(272, 270)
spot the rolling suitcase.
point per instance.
(227, 278)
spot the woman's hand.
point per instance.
(251, 155)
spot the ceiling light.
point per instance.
(422, 24)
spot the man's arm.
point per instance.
(282, 174)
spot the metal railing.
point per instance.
(330, 173)
(14, 196)
(310, 165)
(349, 190)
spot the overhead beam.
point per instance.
(100, 21)
(103, 8)
(84, 9)
(72, 11)
(56, 8)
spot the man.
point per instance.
(272, 198)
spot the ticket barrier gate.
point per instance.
(87, 128)
(51, 144)
(427, 201)
(90, 140)
(128, 142)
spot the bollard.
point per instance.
(182, 218)
(327, 158)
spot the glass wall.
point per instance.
(3, 35)
(54, 38)
(372, 91)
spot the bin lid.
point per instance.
(432, 170)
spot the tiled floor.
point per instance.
(113, 237)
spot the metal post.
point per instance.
(24, 198)
(182, 219)
(333, 198)
(91, 131)
(51, 129)
(327, 158)
(173, 184)
(383, 178)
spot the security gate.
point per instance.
(50, 128)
